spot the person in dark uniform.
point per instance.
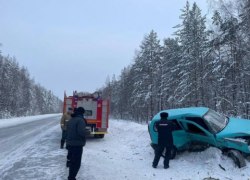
(75, 141)
(64, 120)
(165, 140)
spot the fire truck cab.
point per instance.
(96, 111)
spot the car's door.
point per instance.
(181, 139)
(197, 133)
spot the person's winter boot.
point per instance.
(62, 144)
(166, 166)
(67, 163)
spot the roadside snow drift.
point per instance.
(124, 153)
(21, 120)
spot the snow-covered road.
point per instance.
(124, 153)
(16, 136)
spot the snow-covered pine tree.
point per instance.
(170, 75)
(245, 27)
(148, 63)
(228, 46)
(20, 95)
(193, 39)
(23, 93)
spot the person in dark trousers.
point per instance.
(64, 120)
(75, 142)
(165, 140)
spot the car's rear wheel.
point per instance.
(237, 157)
(173, 152)
(154, 146)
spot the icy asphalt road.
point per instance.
(16, 144)
(14, 137)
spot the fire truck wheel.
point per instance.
(99, 135)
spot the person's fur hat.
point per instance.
(164, 115)
(80, 110)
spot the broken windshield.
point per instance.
(215, 121)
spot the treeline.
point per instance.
(20, 95)
(198, 66)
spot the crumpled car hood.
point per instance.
(235, 127)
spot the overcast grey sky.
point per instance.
(75, 45)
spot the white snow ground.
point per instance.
(124, 153)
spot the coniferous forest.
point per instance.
(205, 63)
(20, 95)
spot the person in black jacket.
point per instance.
(165, 140)
(75, 142)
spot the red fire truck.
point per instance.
(96, 111)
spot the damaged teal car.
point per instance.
(202, 127)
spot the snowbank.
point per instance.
(125, 153)
(22, 120)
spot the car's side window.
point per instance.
(194, 129)
(199, 121)
(177, 125)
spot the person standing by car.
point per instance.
(75, 142)
(64, 120)
(165, 140)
